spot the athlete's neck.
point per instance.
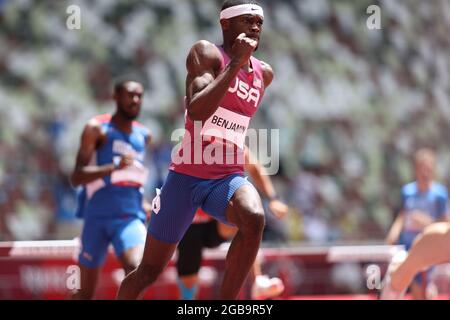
(423, 185)
(122, 124)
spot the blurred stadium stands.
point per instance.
(353, 103)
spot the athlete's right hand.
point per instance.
(125, 161)
(242, 49)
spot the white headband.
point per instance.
(240, 10)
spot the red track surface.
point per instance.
(354, 297)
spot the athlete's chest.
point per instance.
(245, 92)
(424, 202)
(246, 89)
(118, 143)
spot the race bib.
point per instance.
(227, 125)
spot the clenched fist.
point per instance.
(243, 48)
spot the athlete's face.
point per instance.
(129, 99)
(250, 24)
(424, 170)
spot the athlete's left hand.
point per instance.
(278, 208)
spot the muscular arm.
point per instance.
(83, 172)
(204, 87)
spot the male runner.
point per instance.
(208, 232)
(423, 202)
(109, 166)
(224, 88)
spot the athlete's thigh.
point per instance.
(173, 209)
(128, 240)
(94, 243)
(157, 254)
(223, 190)
(245, 208)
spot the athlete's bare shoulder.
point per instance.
(206, 49)
(93, 125)
(203, 56)
(93, 131)
(267, 73)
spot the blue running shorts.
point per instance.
(124, 233)
(181, 195)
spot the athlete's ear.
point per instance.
(225, 23)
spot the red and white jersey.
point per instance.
(215, 148)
